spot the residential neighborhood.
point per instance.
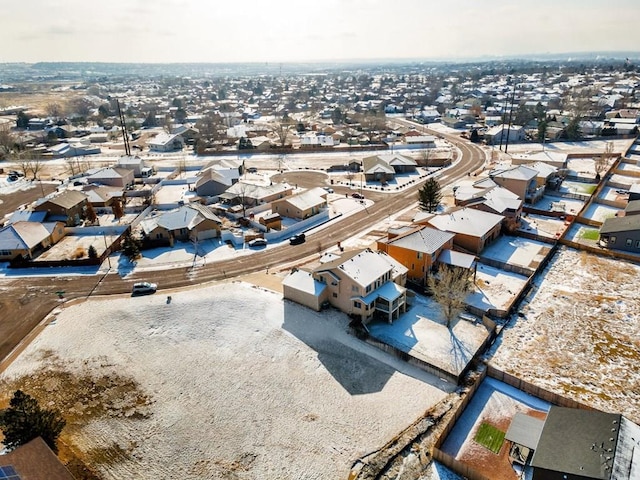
(367, 233)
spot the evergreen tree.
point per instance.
(131, 246)
(25, 420)
(429, 195)
(92, 252)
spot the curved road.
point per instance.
(35, 308)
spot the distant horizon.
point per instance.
(601, 55)
(284, 31)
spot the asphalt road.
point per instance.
(26, 301)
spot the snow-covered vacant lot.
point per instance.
(227, 381)
(581, 333)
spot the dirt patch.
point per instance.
(94, 392)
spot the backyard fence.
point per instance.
(535, 390)
(457, 466)
(520, 270)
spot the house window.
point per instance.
(419, 255)
(629, 242)
(335, 295)
(5, 253)
(355, 289)
(322, 279)
(637, 243)
(612, 240)
(368, 289)
(357, 304)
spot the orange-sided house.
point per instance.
(417, 249)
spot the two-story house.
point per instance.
(417, 249)
(69, 207)
(521, 180)
(361, 283)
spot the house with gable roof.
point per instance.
(521, 180)
(360, 283)
(302, 205)
(473, 229)
(184, 223)
(27, 239)
(69, 206)
(386, 166)
(417, 249)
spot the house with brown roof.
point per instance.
(33, 461)
(68, 206)
(521, 180)
(113, 177)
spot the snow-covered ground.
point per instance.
(600, 212)
(422, 333)
(517, 251)
(495, 288)
(494, 403)
(580, 334)
(221, 381)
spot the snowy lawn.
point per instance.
(583, 234)
(494, 403)
(495, 288)
(422, 333)
(600, 212)
(571, 205)
(223, 382)
(541, 225)
(581, 333)
(517, 251)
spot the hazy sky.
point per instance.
(284, 30)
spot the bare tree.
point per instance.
(282, 131)
(29, 164)
(54, 109)
(449, 288)
(7, 143)
(602, 162)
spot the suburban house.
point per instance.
(555, 159)
(27, 239)
(420, 141)
(166, 142)
(249, 195)
(188, 222)
(521, 180)
(214, 181)
(362, 283)
(384, 167)
(500, 133)
(101, 196)
(69, 206)
(586, 444)
(33, 461)
(72, 149)
(135, 163)
(313, 139)
(113, 177)
(473, 229)
(621, 233)
(417, 249)
(488, 196)
(301, 206)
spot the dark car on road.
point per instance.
(297, 239)
(357, 195)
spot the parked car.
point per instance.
(258, 242)
(297, 239)
(252, 170)
(328, 189)
(143, 288)
(357, 195)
